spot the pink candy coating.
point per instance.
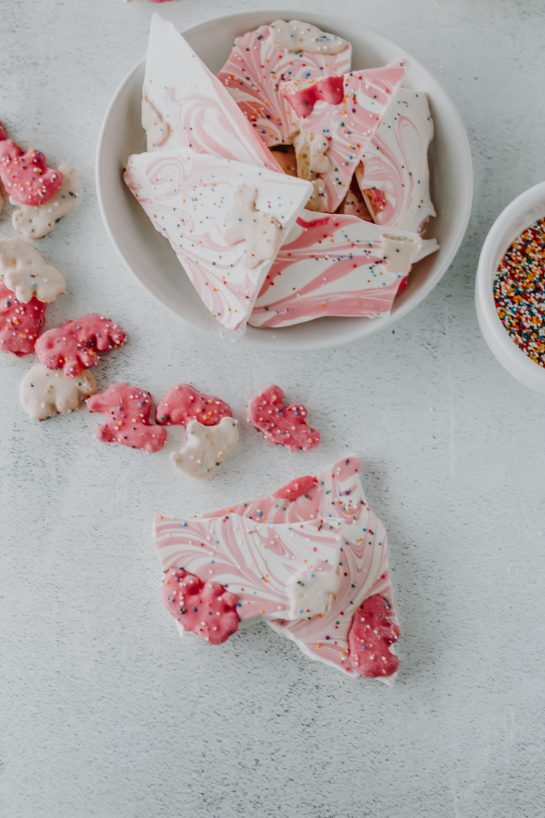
(206, 609)
(129, 422)
(75, 345)
(25, 176)
(296, 488)
(281, 424)
(371, 633)
(183, 403)
(303, 99)
(20, 324)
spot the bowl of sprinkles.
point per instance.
(510, 288)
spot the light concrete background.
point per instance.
(104, 711)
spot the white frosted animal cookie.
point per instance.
(37, 222)
(311, 592)
(206, 447)
(27, 274)
(244, 222)
(46, 392)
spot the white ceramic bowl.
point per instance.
(150, 257)
(521, 213)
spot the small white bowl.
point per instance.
(520, 214)
(149, 256)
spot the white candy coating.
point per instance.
(27, 273)
(206, 447)
(46, 392)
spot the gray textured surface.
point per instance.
(104, 712)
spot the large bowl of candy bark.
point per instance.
(284, 183)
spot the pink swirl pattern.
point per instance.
(349, 125)
(189, 197)
(330, 265)
(254, 71)
(253, 560)
(337, 494)
(395, 163)
(198, 111)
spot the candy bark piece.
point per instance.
(76, 345)
(281, 424)
(27, 273)
(190, 105)
(183, 403)
(363, 570)
(371, 634)
(336, 265)
(37, 222)
(25, 175)
(255, 561)
(346, 127)
(47, 392)
(129, 410)
(225, 221)
(203, 608)
(262, 59)
(20, 324)
(394, 175)
(206, 447)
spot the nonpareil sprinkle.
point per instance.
(519, 291)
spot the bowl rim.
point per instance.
(509, 224)
(269, 339)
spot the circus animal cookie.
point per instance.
(46, 392)
(25, 176)
(37, 222)
(394, 174)
(183, 403)
(20, 323)
(371, 633)
(337, 265)
(257, 561)
(129, 418)
(281, 424)
(203, 608)
(225, 221)
(337, 131)
(79, 344)
(335, 637)
(206, 447)
(262, 59)
(186, 106)
(27, 273)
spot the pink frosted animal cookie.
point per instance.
(281, 424)
(262, 59)
(370, 637)
(206, 609)
(129, 410)
(333, 132)
(183, 403)
(20, 323)
(25, 176)
(76, 345)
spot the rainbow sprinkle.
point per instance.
(519, 291)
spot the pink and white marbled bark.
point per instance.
(195, 200)
(256, 67)
(364, 571)
(333, 265)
